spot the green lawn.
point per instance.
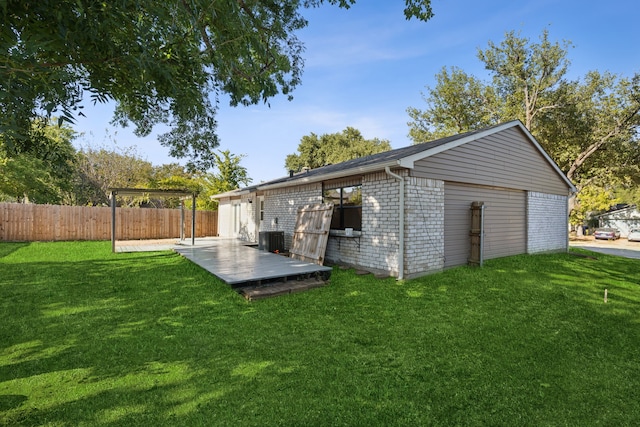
(98, 339)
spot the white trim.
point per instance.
(407, 162)
(410, 160)
(376, 167)
(546, 156)
(232, 193)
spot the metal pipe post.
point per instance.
(193, 219)
(113, 221)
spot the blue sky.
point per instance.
(366, 65)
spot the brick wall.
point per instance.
(547, 223)
(281, 208)
(424, 225)
(378, 244)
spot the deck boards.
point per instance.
(237, 264)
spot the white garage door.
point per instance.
(504, 222)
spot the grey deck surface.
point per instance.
(235, 263)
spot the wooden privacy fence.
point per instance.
(28, 222)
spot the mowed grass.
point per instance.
(98, 339)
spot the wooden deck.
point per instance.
(240, 265)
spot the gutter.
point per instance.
(401, 225)
(301, 180)
(238, 192)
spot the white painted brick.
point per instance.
(547, 222)
(283, 204)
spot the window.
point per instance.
(261, 208)
(347, 207)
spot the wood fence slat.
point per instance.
(30, 222)
(311, 233)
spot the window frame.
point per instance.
(341, 207)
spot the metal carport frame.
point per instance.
(155, 192)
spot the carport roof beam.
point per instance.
(152, 192)
(183, 194)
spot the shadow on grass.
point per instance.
(8, 248)
(85, 336)
(154, 339)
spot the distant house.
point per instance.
(623, 219)
(409, 208)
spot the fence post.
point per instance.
(181, 219)
(113, 221)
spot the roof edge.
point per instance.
(553, 164)
(324, 177)
(237, 192)
(409, 161)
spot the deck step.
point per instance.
(274, 289)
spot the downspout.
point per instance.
(401, 226)
(568, 212)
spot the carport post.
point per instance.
(113, 221)
(181, 219)
(193, 219)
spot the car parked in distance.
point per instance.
(606, 234)
(634, 235)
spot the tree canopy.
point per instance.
(315, 151)
(590, 126)
(39, 168)
(102, 168)
(99, 169)
(161, 62)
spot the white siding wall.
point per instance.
(225, 217)
(248, 227)
(236, 218)
(283, 203)
(547, 222)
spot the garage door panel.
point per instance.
(505, 222)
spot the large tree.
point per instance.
(527, 76)
(38, 168)
(229, 175)
(160, 61)
(457, 103)
(588, 126)
(315, 151)
(102, 168)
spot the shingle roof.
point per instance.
(396, 154)
(388, 157)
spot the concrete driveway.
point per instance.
(621, 247)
